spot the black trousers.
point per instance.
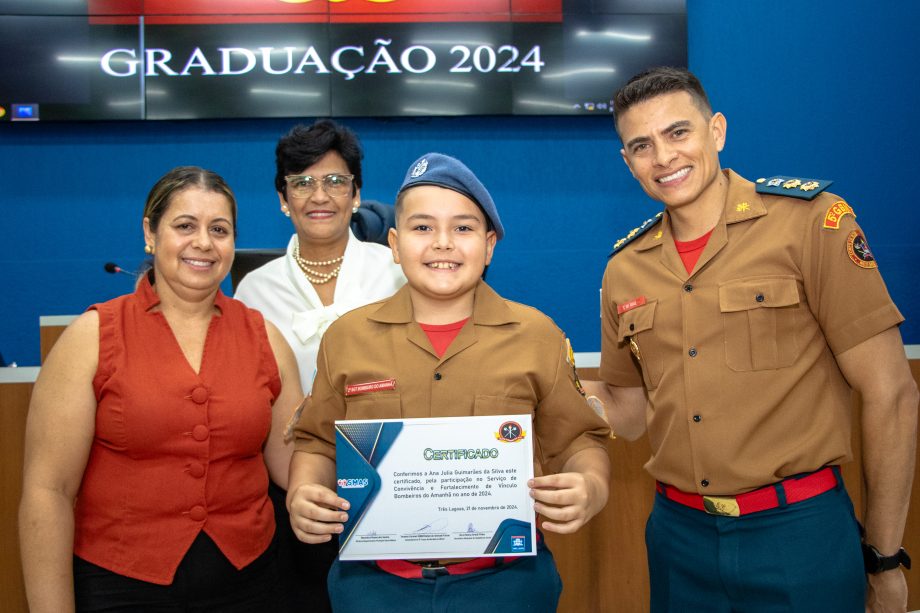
(205, 581)
(302, 568)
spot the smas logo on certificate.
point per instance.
(347, 484)
(436, 488)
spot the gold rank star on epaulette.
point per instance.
(634, 234)
(794, 187)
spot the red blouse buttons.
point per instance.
(200, 432)
(200, 395)
(196, 470)
(197, 513)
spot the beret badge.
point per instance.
(420, 168)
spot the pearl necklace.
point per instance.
(314, 276)
(304, 262)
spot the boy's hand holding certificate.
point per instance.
(453, 487)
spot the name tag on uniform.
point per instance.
(628, 306)
(371, 386)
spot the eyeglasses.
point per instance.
(302, 186)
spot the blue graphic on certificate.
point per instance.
(446, 487)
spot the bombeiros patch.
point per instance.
(859, 252)
(835, 213)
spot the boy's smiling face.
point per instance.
(443, 245)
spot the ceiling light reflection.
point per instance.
(639, 38)
(265, 91)
(78, 59)
(438, 111)
(440, 83)
(599, 70)
(545, 104)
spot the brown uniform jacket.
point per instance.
(738, 357)
(507, 359)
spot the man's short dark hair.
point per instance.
(657, 82)
(304, 145)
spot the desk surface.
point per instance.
(19, 374)
(603, 564)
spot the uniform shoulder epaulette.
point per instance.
(792, 187)
(634, 234)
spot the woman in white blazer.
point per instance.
(325, 272)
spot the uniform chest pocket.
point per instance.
(637, 331)
(375, 405)
(501, 405)
(759, 322)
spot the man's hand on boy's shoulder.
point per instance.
(568, 500)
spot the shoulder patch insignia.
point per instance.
(859, 252)
(835, 213)
(570, 358)
(793, 187)
(635, 233)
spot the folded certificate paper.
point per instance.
(451, 487)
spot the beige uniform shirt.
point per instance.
(738, 357)
(507, 359)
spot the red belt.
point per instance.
(430, 570)
(796, 489)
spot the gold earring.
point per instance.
(148, 249)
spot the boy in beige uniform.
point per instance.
(735, 326)
(451, 347)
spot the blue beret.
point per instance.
(445, 171)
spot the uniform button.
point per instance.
(437, 376)
(692, 353)
(697, 418)
(705, 482)
(200, 395)
(632, 327)
(197, 513)
(759, 298)
(200, 432)
(688, 288)
(196, 470)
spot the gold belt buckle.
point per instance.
(721, 505)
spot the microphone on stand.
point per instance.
(112, 267)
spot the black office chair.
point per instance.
(247, 260)
(372, 221)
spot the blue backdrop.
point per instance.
(822, 89)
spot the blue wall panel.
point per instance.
(822, 89)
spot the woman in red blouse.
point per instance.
(154, 427)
